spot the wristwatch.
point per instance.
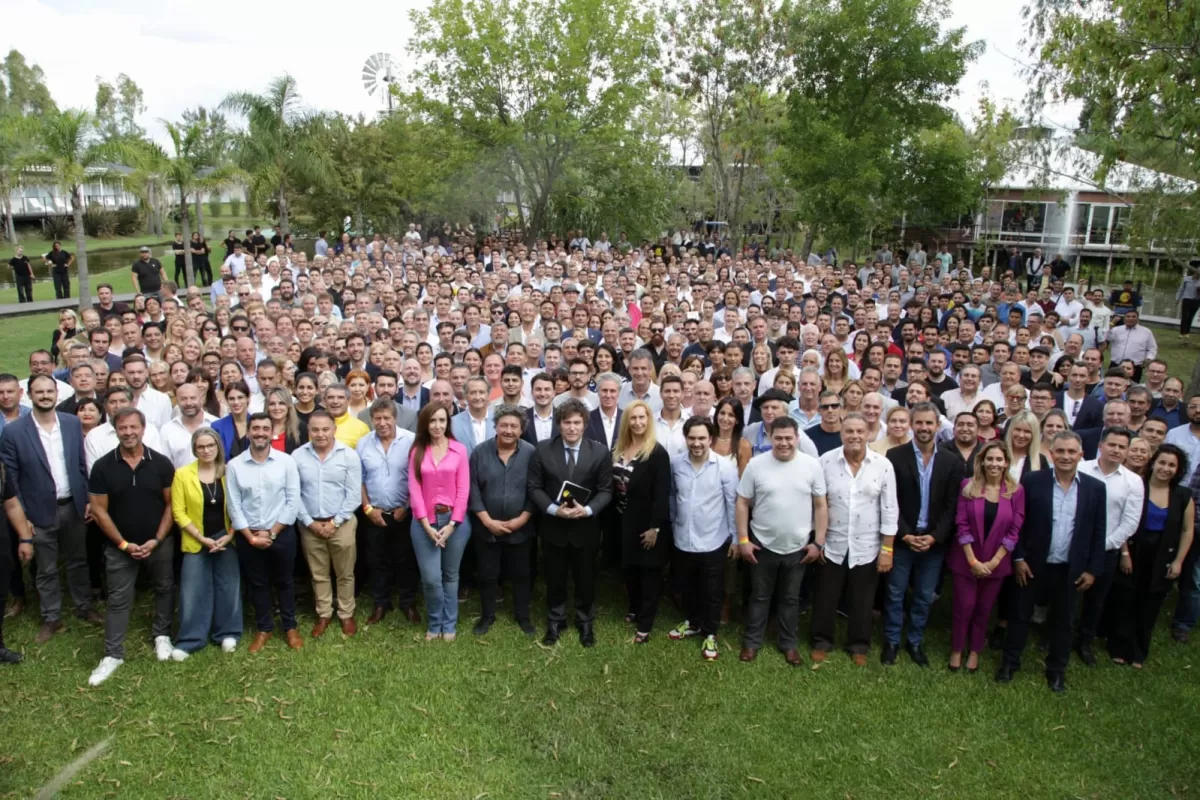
(24, 541)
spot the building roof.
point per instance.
(1059, 166)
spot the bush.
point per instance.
(58, 226)
(235, 206)
(99, 222)
(214, 207)
(129, 221)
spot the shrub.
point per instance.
(129, 221)
(58, 226)
(235, 206)
(214, 207)
(99, 222)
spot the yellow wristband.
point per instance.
(886, 549)
(367, 509)
(123, 546)
(743, 541)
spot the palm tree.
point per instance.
(189, 175)
(16, 133)
(281, 151)
(69, 147)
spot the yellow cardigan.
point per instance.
(187, 504)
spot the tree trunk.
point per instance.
(150, 209)
(283, 214)
(199, 218)
(85, 289)
(1194, 387)
(809, 235)
(188, 275)
(10, 230)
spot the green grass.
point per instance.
(387, 715)
(121, 280)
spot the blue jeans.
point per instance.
(439, 572)
(1187, 610)
(210, 599)
(924, 569)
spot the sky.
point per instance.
(185, 53)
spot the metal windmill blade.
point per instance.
(378, 75)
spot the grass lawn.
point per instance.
(121, 280)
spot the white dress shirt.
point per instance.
(52, 444)
(610, 428)
(862, 507)
(956, 403)
(543, 429)
(64, 391)
(1125, 495)
(176, 441)
(670, 435)
(156, 407)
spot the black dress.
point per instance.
(214, 509)
(647, 504)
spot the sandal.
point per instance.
(1120, 662)
(641, 638)
(431, 636)
(449, 637)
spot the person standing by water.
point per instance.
(60, 262)
(22, 275)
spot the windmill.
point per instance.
(378, 75)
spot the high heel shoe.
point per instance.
(954, 668)
(974, 669)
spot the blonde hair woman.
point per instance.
(1023, 439)
(898, 430)
(852, 396)
(837, 370)
(760, 360)
(210, 595)
(641, 500)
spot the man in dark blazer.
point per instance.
(1059, 554)
(43, 454)
(927, 493)
(530, 434)
(570, 531)
(608, 390)
(1083, 410)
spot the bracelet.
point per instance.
(24, 541)
(743, 541)
(974, 562)
(368, 508)
(123, 546)
(886, 549)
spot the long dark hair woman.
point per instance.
(728, 444)
(233, 429)
(212, 400)
(1153, 558)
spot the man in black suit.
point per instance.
(412, 394)
(605, 420)
(43, 455)
(569, 530)
(1060, 553)
(540, 424)
(356, 349)
(1116, 415)
(927, 486)
(1083, 411)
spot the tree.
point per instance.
(23, 87)
(540, 87)
(68, 146)
(280, 150)
(871, 76)
(215, 146)
(16, 133)
(117, 109)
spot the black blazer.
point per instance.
(948, 473)
(595, 428)
(1087, 544)
(1090, 437)
(593, 470)
(344, 369)
(424, 395)
(1168, 543)
(530, 434)
(1091, 412)
(29, 470)
(647, 505)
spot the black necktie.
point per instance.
(570, 463)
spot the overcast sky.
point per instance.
(185, 53)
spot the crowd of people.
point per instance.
(749, 433)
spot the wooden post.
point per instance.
(1108, 270)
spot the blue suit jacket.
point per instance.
(464, 431)
(595, 428)
(1091, 411)
(1087, 542)
(530, 434)
(28, 468)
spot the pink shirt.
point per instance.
(447, 483)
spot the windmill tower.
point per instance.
(378, 74)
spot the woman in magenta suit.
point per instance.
(990, 514)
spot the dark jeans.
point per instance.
(6, 570)
(1092, 606)
(496, 557)
(274, 566)
(859, 584)
(703, 577)
(1051, 581)
(202, 272)
(1187, 314)
(777, 576)
(62, 282)
(122, 571)
(393, 565)
(1187, 607)
(24, 289)
(924, 569)
(561, 560)
(1135, 607)
(97, 543)
(210, 599)
(643, 586)
(68, 537)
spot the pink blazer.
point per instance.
(1006, 530)
(447, 484)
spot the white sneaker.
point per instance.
(100, 674)
(162, 647)
(179, 655)
(229, 644)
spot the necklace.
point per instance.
(211, 493)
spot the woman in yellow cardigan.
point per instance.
(210, 595)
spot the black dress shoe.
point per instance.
(1179, 635)
(483, 626)
(10, 656)
(552, 634)
(1004, 674)
(887, 656)
(1056, 682)
(996, 638)
(587, 637)
(1085, 654)
(917, 654)
(527, 627)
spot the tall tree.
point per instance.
(23, 87)
(871, 76)
(68, 146)
(17, 132)
(118, 108)
(541, 86)
(215, 145)
(280, 149)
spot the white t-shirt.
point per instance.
(781, 493)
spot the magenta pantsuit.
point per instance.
(974, 597)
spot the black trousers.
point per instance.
(393, 564)
(62, 282)
(562, 561)
(271, 568)
(859, 585)
(202, 272)
(181, 270)
(24, 289)
(1054, 581)
(6, 570)
(1187, 314)
(643, 585)
(1135, 606)
(513, 560)
(1094, 599)
(703, 577)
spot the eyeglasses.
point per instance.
(656, 330)
(829, 406)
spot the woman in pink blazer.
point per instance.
(990, 514)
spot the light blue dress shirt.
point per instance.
(329, 488)
(255, 500)
(1063, 527)
(386, 474)
(925, 473)
(703, 503)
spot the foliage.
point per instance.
(117, 109)
(541, 108)
(214, 206)
(99, 222)
(23, 87)
(235, 206)
(129, 220)
(57, 227)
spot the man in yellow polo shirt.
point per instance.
(349, 428)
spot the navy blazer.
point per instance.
(423, 394)
(530, 434)
(1091, 412)
(28, 468)
(1087, 543)
(595, 428)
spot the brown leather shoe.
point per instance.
(92, 617)
(860, 659)
(349, 626)
(793, 657)
(15, 609)
(260, 640)
(378, 614)
(319, 629)
(748, 654)
(293, 639)
(48, 631)
(412, 615)
(818, 656)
